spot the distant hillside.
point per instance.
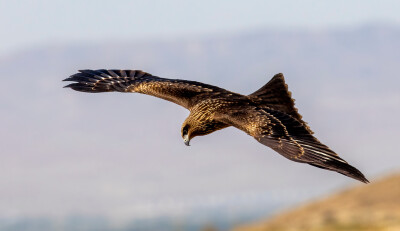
(375, 206)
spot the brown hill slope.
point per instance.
(375, 206)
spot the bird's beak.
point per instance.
(186, 140)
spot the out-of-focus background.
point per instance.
(76, 161)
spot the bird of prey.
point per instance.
(268, 114)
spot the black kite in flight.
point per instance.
(268, 114)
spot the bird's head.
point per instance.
(194, 126)
(186, 132)
(199, 126)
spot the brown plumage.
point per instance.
(268, 114)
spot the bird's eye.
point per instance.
(185, 131)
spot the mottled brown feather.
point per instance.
(268, 114)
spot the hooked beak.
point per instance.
(186, 140)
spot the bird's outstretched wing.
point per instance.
(290, 138)
(182, 92)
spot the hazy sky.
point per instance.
(66, 152)
(27, 23)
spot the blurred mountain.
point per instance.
(375, 206)
(121, 156)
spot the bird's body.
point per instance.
(268, 114)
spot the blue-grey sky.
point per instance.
(27, 23)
